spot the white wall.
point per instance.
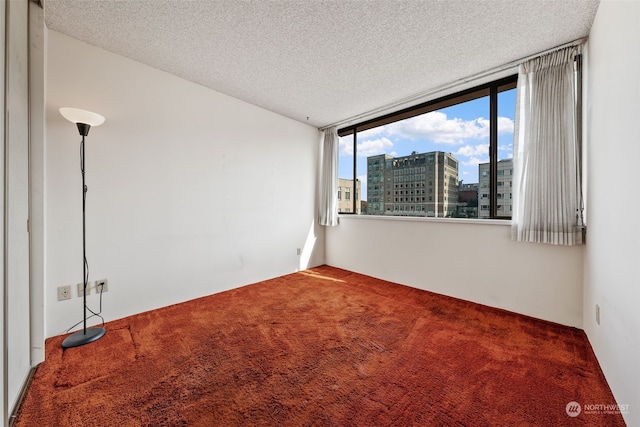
(612, 253)
(469, 259)
(190, 192)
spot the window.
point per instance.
(347, 193)
(462, 142)
(339, 190)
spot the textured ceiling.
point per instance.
(327, 60)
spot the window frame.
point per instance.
(490, 89)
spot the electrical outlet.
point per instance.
(102, 286)
(64, 292)
(299, 251)
(81, 289)
(597, 314)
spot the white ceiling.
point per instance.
(327, 60)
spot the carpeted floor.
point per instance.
(323, 347)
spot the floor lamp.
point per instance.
(83, 120)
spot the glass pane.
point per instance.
(506, 115)
(346, 191)
(414, 166)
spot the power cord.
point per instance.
(93, 313)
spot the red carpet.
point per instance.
(325, 347)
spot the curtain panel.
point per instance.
(547, 205)
(328, 191)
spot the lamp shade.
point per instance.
(76, 115)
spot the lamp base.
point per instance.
(81, 337)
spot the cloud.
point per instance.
(437, 127)
(473, 150)
(476, 154)
(505, 125)
(374, 147)
(505, 147)
(345, 146)
(371, 132)
(474, 161)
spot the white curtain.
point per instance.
(328, 191)
(547, 202)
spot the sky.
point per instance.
(462, 130)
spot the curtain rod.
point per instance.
(422, 95)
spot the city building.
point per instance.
(420, 184)
(505, 178)
(467, 201)
(346, 194)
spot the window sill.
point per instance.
(427, 219)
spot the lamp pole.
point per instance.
(83, 120)
(84, 130)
